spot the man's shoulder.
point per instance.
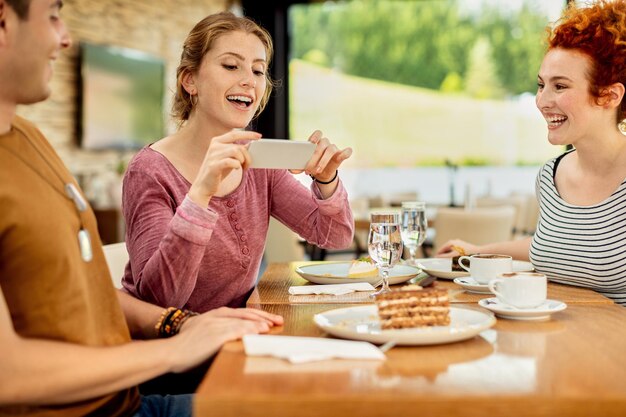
(20, 128)
(23, 125)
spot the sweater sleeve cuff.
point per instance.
(194, 223)
(334, 204)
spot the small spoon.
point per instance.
(385, 347)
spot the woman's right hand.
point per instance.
(223, 156)
(448, 249)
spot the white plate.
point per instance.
(337, 273)
(508, 312)
(472, 286)
(442, 267)
(361, 323)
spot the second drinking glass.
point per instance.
(384, 244)
(414, 226)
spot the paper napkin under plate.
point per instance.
(309, 349)
(333, 289)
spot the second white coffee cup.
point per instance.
(520, 289)
(485, 267)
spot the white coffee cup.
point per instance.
(485, 266)
(520, 289)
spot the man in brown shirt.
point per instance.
(65, 332)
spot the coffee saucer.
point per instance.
(472, 286)
(506, 311)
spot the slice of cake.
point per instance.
(413, 306)
(362, 268)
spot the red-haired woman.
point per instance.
(582, 193)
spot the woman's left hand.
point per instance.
(326, 158)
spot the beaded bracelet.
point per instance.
(326, 182)
(171, 321)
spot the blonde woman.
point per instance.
(197, 216)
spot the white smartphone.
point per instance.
(280, 153)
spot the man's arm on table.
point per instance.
(38, 371)
(142, 317)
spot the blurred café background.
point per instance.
(436, 98)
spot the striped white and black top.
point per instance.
(582, 246)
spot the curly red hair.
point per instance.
(599, 31)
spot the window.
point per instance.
(421, 83)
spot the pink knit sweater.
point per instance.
(185, 256)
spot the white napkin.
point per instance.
(334, 289)
(309, 349)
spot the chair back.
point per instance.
(532, 214)
(282, 244)
(478, 226)
(517, 201)
(117, 257)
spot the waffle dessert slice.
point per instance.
(413, 306)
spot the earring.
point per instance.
(622, 126)
(193, 98)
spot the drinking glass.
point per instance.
(384, 244)
(413, 226)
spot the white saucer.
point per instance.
(472, 286)
(442, 267)
(506, 311)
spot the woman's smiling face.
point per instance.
(563, 96)
(231, 80)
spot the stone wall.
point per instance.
(157, 27)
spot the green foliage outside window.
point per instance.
(429, 44)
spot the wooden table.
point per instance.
(273, 289)
(571, 365)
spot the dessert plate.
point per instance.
(361, 323)
(472, 286)
(337, 273)
(506, 311)
(442, 267)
